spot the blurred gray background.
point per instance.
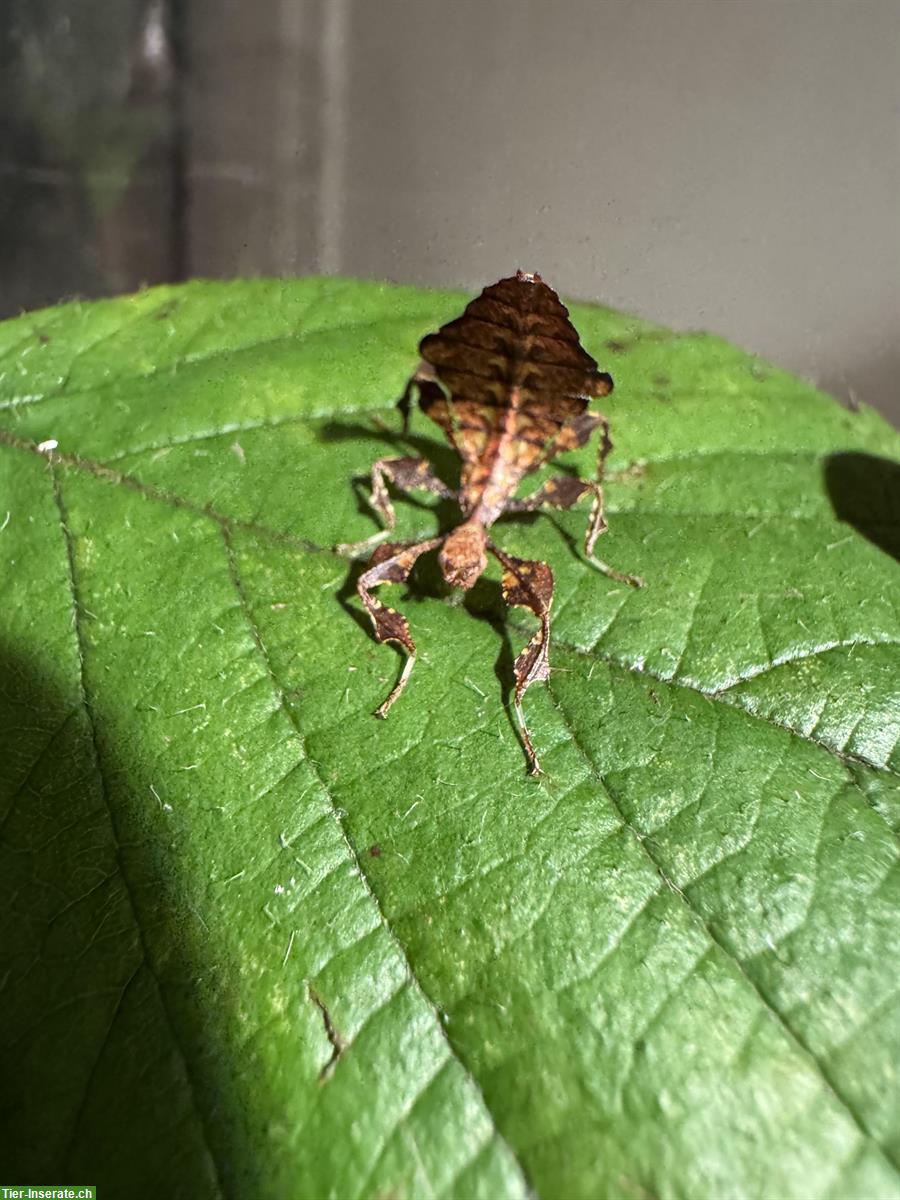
(731, 165)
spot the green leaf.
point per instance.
(255, 943)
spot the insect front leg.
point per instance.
(528, 584)
(425, 379)
(406, 474)
(392, 563)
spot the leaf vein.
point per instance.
(722, 945)
(68, 540)
(89, 1082)
(352, 853)
(59, 392)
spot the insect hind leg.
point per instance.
(528, 584)
(392, 563)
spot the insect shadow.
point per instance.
(445, 461)
(865, 492)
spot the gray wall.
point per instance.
(723, 164)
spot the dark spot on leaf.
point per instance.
(616, 347)
(375, 850)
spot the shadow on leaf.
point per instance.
(865, 492)
(443, 458)
(94, 1029)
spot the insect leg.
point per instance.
(404, 404)
(426, 381)
(562, 491)
(597, 522)
(529, 585)
(406, 474)
(392, 563)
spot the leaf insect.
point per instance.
(509, 383)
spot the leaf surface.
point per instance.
(255, 944)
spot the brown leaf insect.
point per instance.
(509, 383)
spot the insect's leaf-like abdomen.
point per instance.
(514, 347)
